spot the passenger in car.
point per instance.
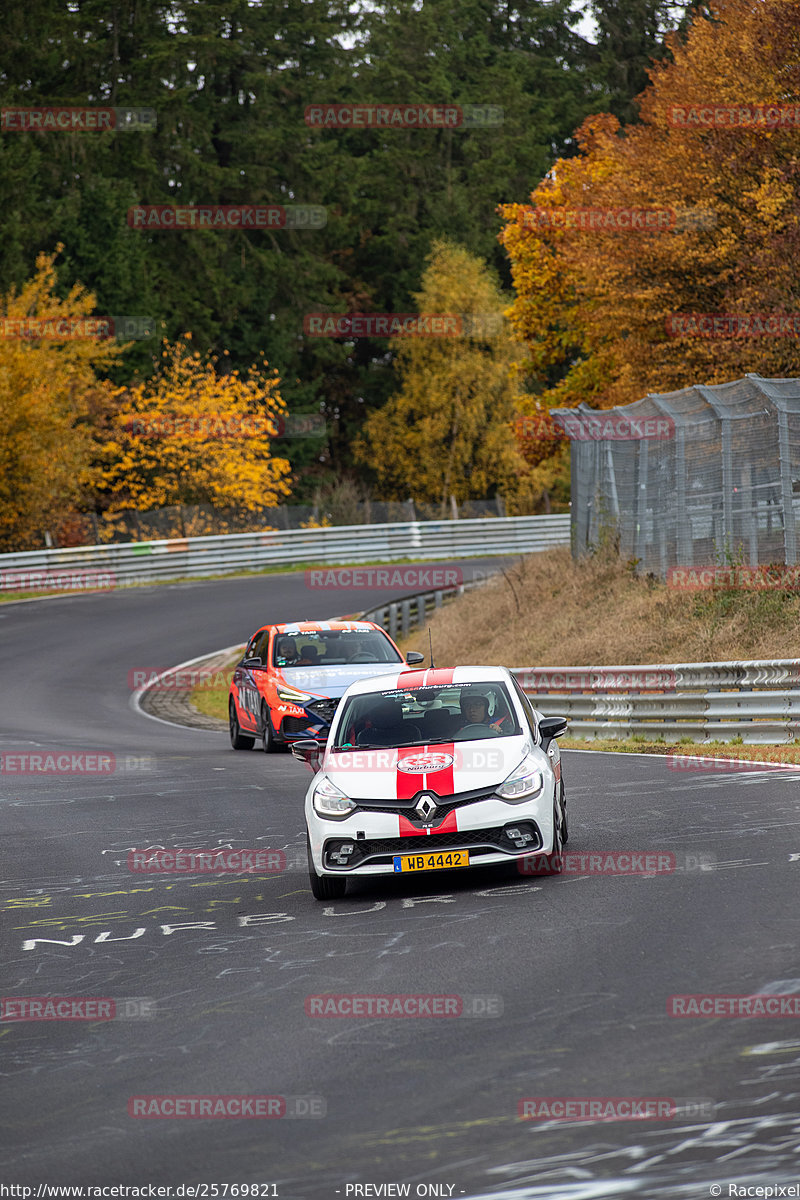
(309, 657)
(438, 723)
(387, 727)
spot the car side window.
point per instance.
(262, 642)
(527, 709)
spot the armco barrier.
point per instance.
(143, 562)
(758, 701)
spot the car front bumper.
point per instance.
(482, 828)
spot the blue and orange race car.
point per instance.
(291, 678)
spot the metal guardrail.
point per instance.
(142, 562)
(757, 701)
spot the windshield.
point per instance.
(427, 716)
(333, 648)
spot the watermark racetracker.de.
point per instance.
(593, 427)
(62, 119)
(226, 1107)
(728, 326)
(402, 1006)
(76, 1008)
(403, 116)
(206, 427)
(220, 860)
(396, 324)
(771, 577)
(64, 580)
(185, 217)
(57, 761)
(601, 679)
(710, 114)
(71, 328)
(595, 1108)
(418, 579)
(617, 862)
(617, 220)
(706, 1005)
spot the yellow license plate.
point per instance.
(443, 861)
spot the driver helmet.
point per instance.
(471, 700)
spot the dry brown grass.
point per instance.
(550, 611)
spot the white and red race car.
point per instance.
(426, 770)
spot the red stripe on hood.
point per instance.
(448, 825)
(438, 779)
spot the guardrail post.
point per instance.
(406, 622)
(789, 532)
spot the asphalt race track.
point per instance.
(572, 973)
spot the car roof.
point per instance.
(427, 677)
(320, 626)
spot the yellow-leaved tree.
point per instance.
(599, 307)
(448, 431)
(194, 434)
(50, 349)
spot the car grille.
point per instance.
(493, 840)
(324, 708)
(294, 725)
(443, 803)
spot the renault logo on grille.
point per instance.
(425, 808)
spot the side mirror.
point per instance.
(551, 727)
(308, 751)
(413, 657)
(252, 664)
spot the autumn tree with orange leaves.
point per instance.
(598, 308)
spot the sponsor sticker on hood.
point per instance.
(419, 764)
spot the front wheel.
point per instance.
(270, 745)
(324, 887)
(239, 740)
(555, 858)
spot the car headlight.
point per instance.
(523, 783)
(292, 696)
(329, 802)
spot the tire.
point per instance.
(564, 826)
(268, 737)
(239, 740)
(324, 887)
(555, 862)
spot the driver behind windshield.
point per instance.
(475, 710)
(286, 652)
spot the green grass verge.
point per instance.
(212, 699)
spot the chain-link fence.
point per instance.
(706, 475)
